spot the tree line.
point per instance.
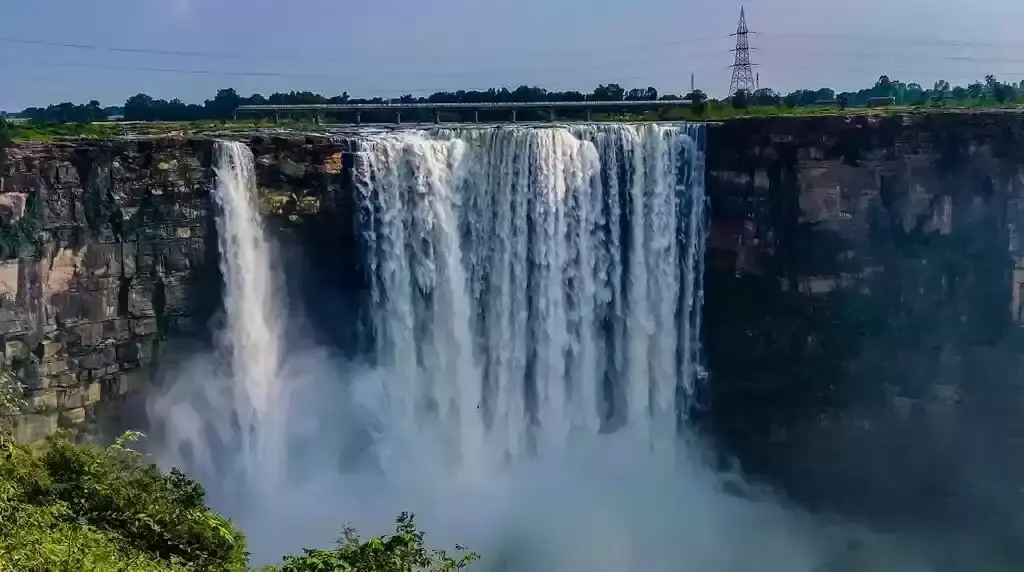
(222, 106)
(990, 90)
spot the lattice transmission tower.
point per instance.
(742, 69)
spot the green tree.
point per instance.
(740, 99)
(975, 90)
(698, 101)
(883, 87)
(766, 96)
(224, 104)
(610, 92)
(403, 551)
(940, 90)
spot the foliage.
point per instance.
(698, 101)
(23, 236)
(83, 507)
(60, 120)
(740, 99)
(12, 400)
(66, 112)
(403, 551)
(5, 133)
(45, 132)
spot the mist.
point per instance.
(606, 505)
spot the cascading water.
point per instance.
(230, 416)
(531, 285)
(534, 302)
(253, 332)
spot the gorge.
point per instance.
(505, 329)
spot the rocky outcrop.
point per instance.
(117, 248)
(864, 307)
(108, 255)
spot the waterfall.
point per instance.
(534, 305)
(251, 338)
(534, 286)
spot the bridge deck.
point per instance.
(398, 106)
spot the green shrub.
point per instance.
(403, 551)
(81, 507)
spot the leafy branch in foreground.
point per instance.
(82, 507)
(403, 551)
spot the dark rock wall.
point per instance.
(863, 311)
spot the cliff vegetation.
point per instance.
(67, 506)
(79, 507)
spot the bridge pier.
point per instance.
(437, 117)
(513, 115)
(398, 117)
(359, 118)
(476, 116)
(588, 115)
(277, 117)
(551, 115)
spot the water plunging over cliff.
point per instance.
(531, 285)
(227, 415)
(252, 335)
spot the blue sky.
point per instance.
(390, 47)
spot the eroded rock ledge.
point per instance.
(108, 254)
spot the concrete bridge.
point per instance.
(356, 110)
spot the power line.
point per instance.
(632, 64)
(308, 58)
(874, 38)
(505, 85)
(916, 57)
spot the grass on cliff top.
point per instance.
(48, 133)
(31, 132)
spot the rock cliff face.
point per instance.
(863, 307)
(108, 255)
(864, 290)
